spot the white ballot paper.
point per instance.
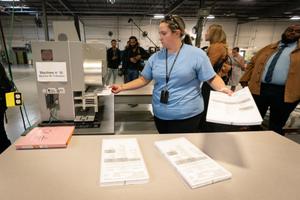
(122, 163)
(106, 91)
(238, 109)
(196, 168)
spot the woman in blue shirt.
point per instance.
(177, 70)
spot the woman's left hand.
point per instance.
(226, 91)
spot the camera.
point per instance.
(164, 96)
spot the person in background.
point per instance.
(113, 61)
(187, 39)
(218, 55)
(273, 77)
(132, 59)
(5, 86)
(177, 70)
(237, 68)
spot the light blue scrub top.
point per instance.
(185, 99)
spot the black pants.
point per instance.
(189, 125)
(4, 141)
(205, 126)
(273, 96)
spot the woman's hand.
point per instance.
(226, 91)
(218, 84)
(116, 88)
(135, 84)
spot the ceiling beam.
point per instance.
(272, 12)
(88, 3)
(67, 6)
(279, 10)
(175, 6)
(53, 8)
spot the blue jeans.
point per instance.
(110, 71)
(130, 75)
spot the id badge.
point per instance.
(164, 96)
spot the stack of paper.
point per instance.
(46, 137)
(238, 109)
(122, 163)
(196, 168)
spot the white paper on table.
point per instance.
(238, 109)
(196, 168)
(106, 91)
(122, 163)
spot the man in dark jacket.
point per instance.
(132, 59)
(113, 62)
(5, 86)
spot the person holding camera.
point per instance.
(177, 70)
(132, 61)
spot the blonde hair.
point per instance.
(216, 34)
(175, 23)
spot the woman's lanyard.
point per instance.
(168, 74)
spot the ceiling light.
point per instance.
(210, 17)
(9, 0)
(295, 18)
(112, 1)
(158, 16)
(19, 7)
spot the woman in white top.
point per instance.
(237, 67)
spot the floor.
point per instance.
(128, 120)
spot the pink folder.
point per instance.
(46, 137)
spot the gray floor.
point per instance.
(128, 120)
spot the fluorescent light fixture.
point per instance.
(295, 18)
(158, 16)
(210, 17)
(10, 0)
(19, 7)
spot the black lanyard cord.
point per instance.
(168, 74)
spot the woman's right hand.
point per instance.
(116, 88)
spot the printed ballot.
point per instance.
(122, 163)
(238, 109)
(196, 168)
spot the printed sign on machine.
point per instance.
(51, 71)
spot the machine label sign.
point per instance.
(51, 71)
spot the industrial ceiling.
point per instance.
(243, 10)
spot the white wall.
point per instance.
(253, 35)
